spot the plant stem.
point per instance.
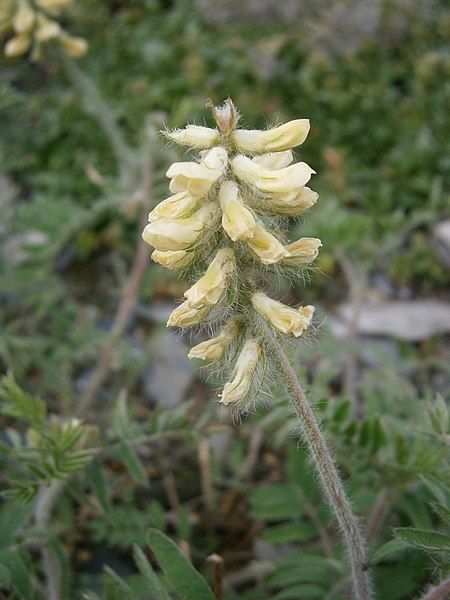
(129, 295)
(98, 108)
(42, 514)
(376, 517)
(440, 592)
(328, 474)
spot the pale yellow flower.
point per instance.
(280, 138)
(178, 206)
(179, 234)
(215, 348)
(194, 136)
(270, 181)
(186, 315)
(30, 23)
(72, 45)
(266, 246)
(237, 220)
(210, 288)
(46, 29)
(303, 251)
(284, 318)
(291, 204)
(18, 45)
(198, 178)
(171, 259)
(236, 389)
(24, 17)
(275, 160)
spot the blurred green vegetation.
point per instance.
(380, 145)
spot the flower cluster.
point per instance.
(224, 216)
(32, 23)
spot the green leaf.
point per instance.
(290, 532)
(146, 570)
(126, 592)
(365, 433)
(97, 481)
(389, 550)
(20, 404)
(427, 540)
(4, 575)
(341, 412)
(13, 516)
(19, 574)
(157, 515)
(378, 435)
(442, 511)
(275, 501)
(185, 580)
(305, 591)
(121, 419)
(132, 463)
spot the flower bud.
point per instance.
(72, 45)
(210, 288)
(284, 318)
(24, 17)
(18, 45)
(237, 220)
(271, 181)
(171, 259)
(280, 138)
(215, 348)
(266, 246)
(293, 203)
(226, 115)
(275, 160)
(198, 178)
(186, 315)
(46, 29)
(194, 136)
(178, 206)
(303, 251)
(236, 389)
(179, 234)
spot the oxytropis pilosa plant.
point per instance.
(224, 228)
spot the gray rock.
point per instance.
(441, 242)
(170, 371)
(410, 321)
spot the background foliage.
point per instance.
(152, 450)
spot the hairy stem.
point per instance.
(377, 515)
(328, 474)
(99, 109)
(440, 592)
(46, 500)
(128, 299)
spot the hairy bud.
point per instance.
(194, 136)
(280, 138)
(210, 288)
(215, 348)
(282, 317)
(239, 386)
(179, 234)
(266, 246)
(237, 220)
(303, 251)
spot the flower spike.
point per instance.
(220, 207)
